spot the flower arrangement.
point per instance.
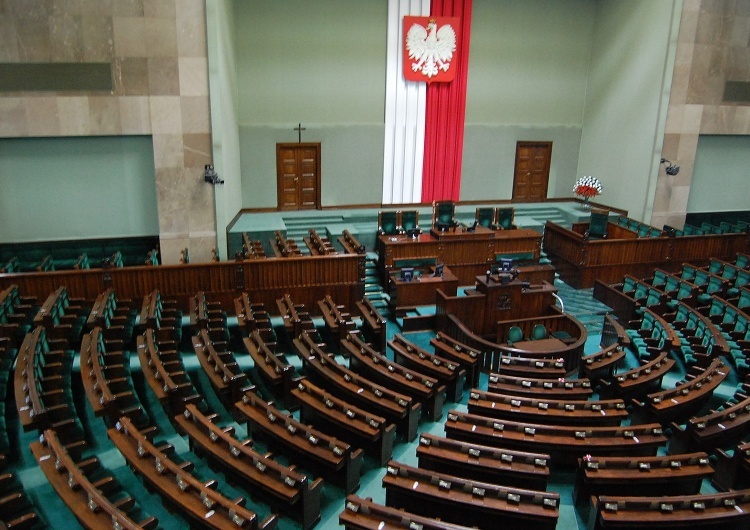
(587, 187)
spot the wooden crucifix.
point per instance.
(299, 130)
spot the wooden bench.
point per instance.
(677, 474)
(373, 324)
(333, 458)
(565, 444)
(272, 368)
(572, 389)
(16, 508)
(252, 249)
(322, 369)
(544, 410)
(253, 316)
(469, 358)
(165, 374)
(205, 314)
(296, 319)
(639, 381)
(345, 421)
(197, 500)
(686, 399)
(283, 247)
(160, 314)
(722, 428)
(486, 464)
(350, 243)
(732, 470)
(532, 367)
(459, 500)
(363, 514)
(97, 504)
(282, 486)
(107, 380)
(42, 386)
(718, 511)
(338, 322)
(221, 368)
(602, 364)
(62, 316)
(319, 246)
(372, 364)
(446, 372)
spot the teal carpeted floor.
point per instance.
(578, 303)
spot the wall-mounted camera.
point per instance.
(671, 169)
(211, 176)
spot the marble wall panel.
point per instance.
(160, 72)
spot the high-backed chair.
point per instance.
(515, 334)
(388, 223)
(409, 220)
(485, 217)
(443, 214)
(539, 332)
(504, 218)
(598, 224)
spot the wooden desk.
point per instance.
(646, 475)
(420, 290)
(456, 499)
(549, 345)
(467, 254)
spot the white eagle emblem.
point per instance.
(430, 48)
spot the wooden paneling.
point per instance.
(466, 257)
(581, 261)
(307, 279)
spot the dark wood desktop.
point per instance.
(420, 290)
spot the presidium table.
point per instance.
(467, 253)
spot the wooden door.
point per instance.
(531, 175)
(298, 176)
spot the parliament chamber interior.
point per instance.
(252, 276)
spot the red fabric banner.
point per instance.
(431, 48)
(445, 114)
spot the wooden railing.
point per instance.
(306, 278)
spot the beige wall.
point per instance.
(158, 52)
(713, 47)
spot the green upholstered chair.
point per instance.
(408, 220)
(515, 334)
(485, 217)
(504, 218)
(388, 223)
(443, 214)
(598, 224)
(539, 332)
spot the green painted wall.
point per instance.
(626, 100)
(719, 182)
(77, 188)
(321, 64)
(527, 81)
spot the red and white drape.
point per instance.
(424, 126)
